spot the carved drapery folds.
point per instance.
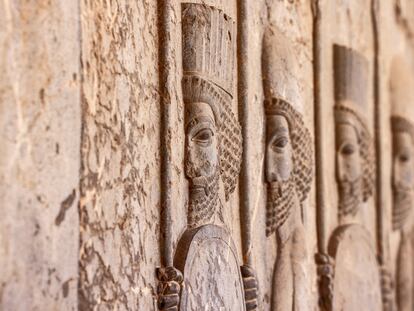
(288, 170)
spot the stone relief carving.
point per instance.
(404, 9)
(355, 173)
(206, 256)
(403, 171)
(288, 169)
(355, 161)
(402, 125)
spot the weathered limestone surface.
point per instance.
(120, 197)
(82, 98)
(39, 157)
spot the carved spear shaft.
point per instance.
(166, 80)
(379, 198)
(243, 100)
(319, 133)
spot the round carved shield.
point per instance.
(357, 276)
(212, 280)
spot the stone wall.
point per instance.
(93, 187)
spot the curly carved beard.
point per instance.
(202, 207)
(350, 196)
(280, 201)
(402, 197)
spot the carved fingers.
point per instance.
(169, 288)
(325, 270)
(250, 287)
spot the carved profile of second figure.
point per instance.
(206, 256)
(402, 125)
(403, 195)
(288, 168)
(351, 247)
(355, 165)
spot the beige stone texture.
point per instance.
(120, 160)
(82, 133)
(39, 159)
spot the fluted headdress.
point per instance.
(209, 50)
(351, 83)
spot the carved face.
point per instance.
(403, 177)
(201, 145)
(403, 174)
(279, 162)
(348, 156)
(279, 167)
(202, 162)
(348, 168)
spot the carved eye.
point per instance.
(405, 157)
(348, 149)
(280, 143)
(203, 136)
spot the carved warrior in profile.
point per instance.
(354, 278)
(206, 256)
(355, 161)
(402, 125)
(288, 167)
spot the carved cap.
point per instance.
(279, 68)
(402, 90)
(350, 78)
(401, 124)
(209, 42)
(345, 113)
(196, 89)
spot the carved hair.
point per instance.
(301, 144)
(401, 124)
(345, 114)
(208, 70)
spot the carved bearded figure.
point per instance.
(288, 167)
(206, 267)
(349, 273)
(355, 165)
(402, 125)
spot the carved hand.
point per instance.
(325, 270)
(250, 287)
(169, 288)
(387, 288)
